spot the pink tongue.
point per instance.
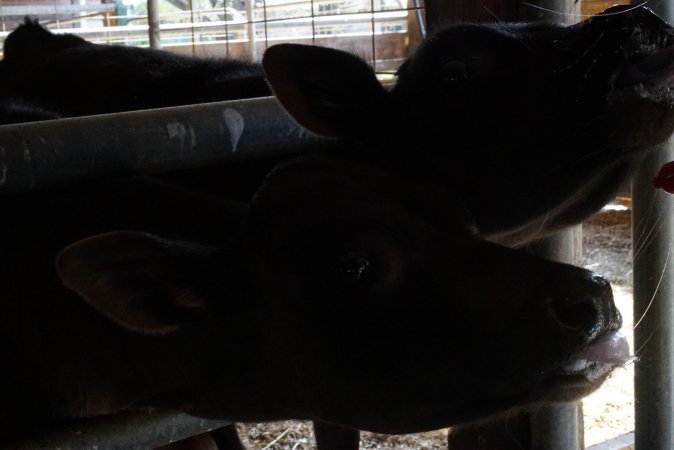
(601, 357)
(610, 349)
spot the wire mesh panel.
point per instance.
(382, 31)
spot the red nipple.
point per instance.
(665, 178)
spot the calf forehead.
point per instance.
(493, 39)
(31, 38)
(315, 190)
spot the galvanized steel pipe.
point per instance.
(42, 154)
(652, 233)
(137, 430)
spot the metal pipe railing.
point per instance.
(136, 430)
(42, 154)
(652, 233)
(559, 427)
(55, 9)
(153, 31)
(556, 427)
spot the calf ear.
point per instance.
(142, 282)
(329, 92)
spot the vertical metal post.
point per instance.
(653, 283)
(83, 22)
(559, 427)
(252, 46)
(551, 11)
(153, 23)
(556, 427)
(652, 232)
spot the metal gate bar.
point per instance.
(652, 228)
(559, 427)
(137, 430)
(42, 154)
(556, 427)
(652, 232)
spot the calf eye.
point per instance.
(453, 71)
(351, 270)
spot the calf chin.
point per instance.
(342, 295)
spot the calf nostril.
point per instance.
(580, 314)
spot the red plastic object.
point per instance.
(665, 178)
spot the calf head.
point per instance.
(31, 38)
(534, 126)
(357, 297)
(59, 72)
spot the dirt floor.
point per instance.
(608, 412)
(607, 249)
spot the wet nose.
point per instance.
(582, 304)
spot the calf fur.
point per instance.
(534, 126)
(72, 77)
(336, 274)
(581, 183)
